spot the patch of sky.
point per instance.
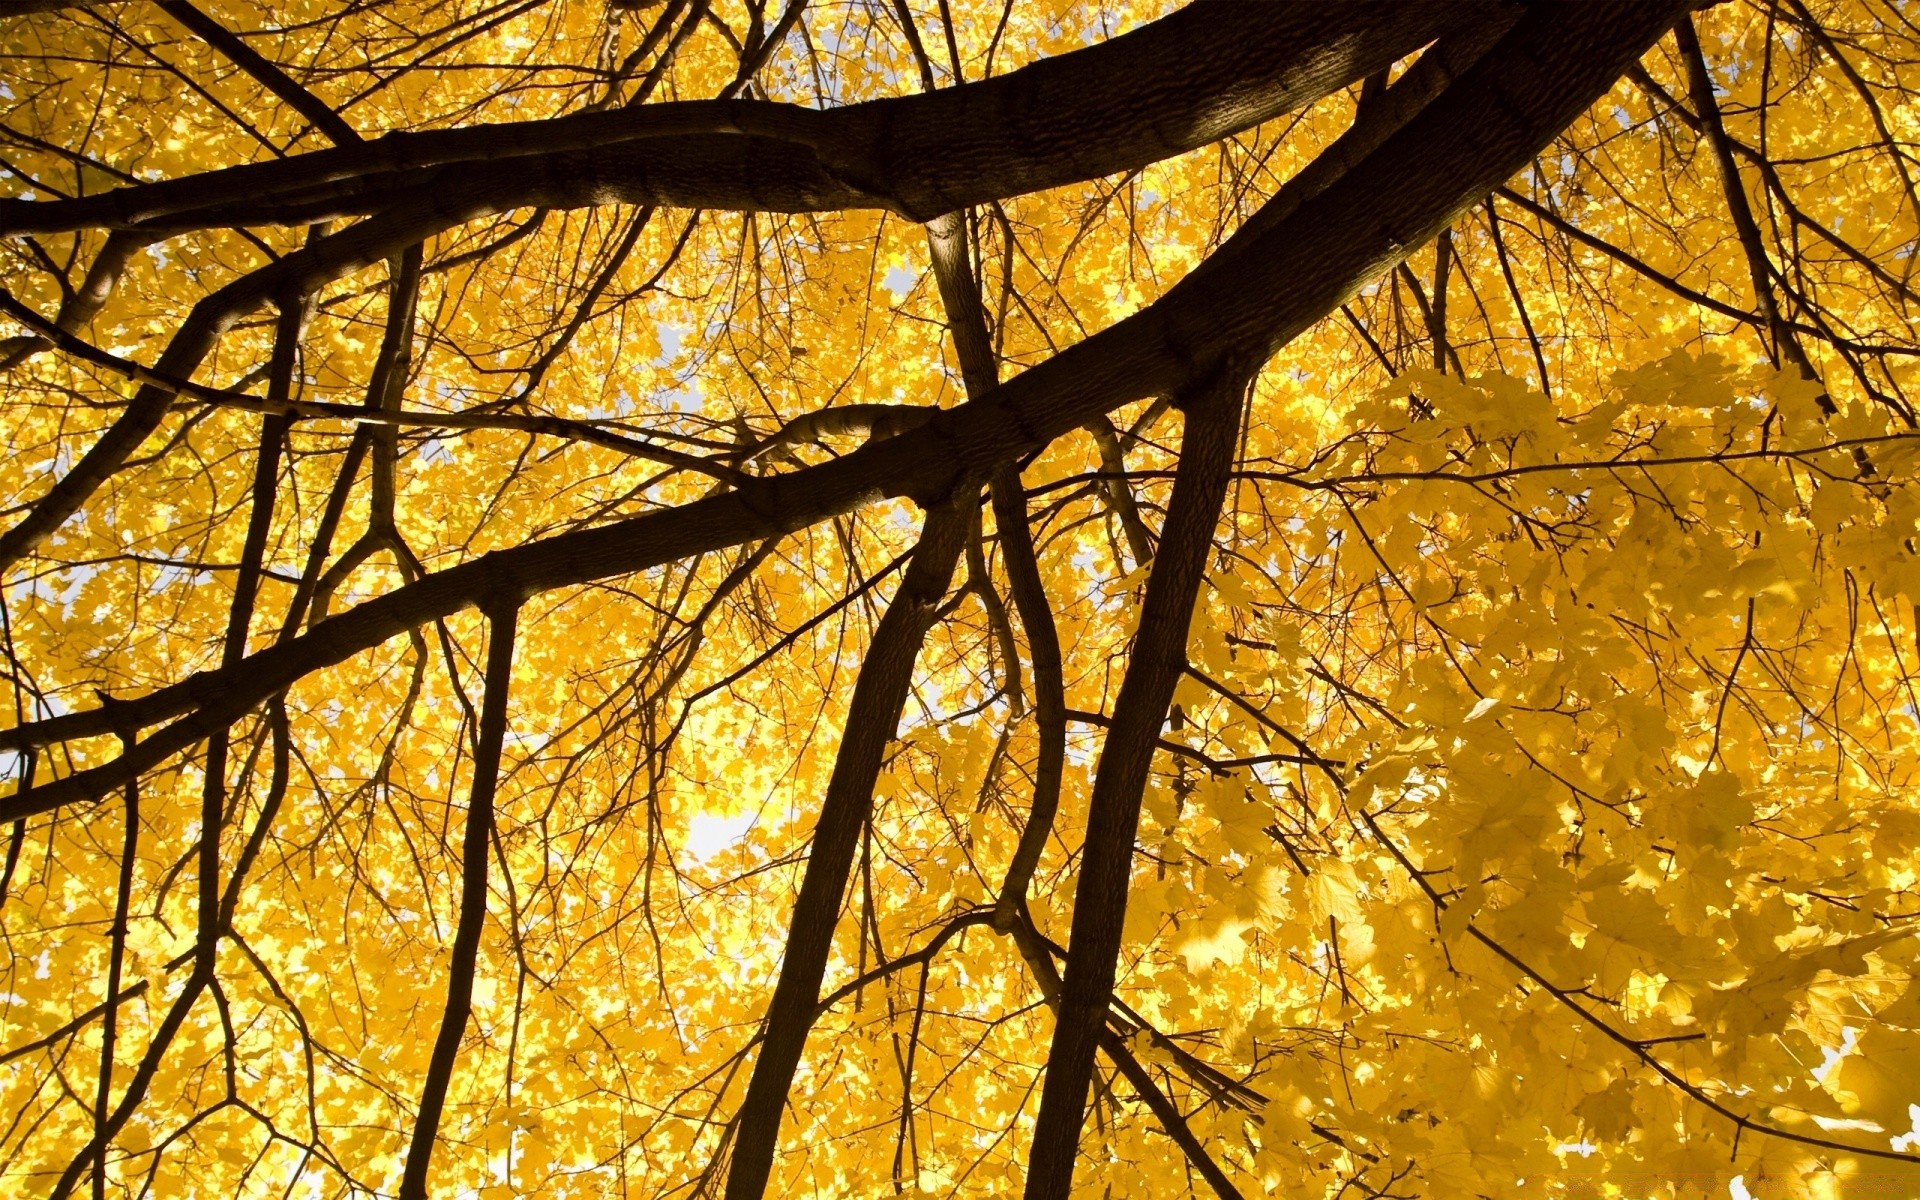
(1907, 1141)
(672, 337)
(709, 834)
(899, 281)
(1849, 1037)
(167, 577)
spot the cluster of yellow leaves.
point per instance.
(1618, 689)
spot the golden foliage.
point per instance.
(1537, 814)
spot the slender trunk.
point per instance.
(873, 716)
(1159, 654)
(473, 902)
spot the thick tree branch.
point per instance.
(82, 304)
(1163, 1109)
(1118, 492)
(1035, 951)
(980, 369)
(1204, 73)
(1049, 690)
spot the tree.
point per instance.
(703, 598)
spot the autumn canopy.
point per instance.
(929, 597)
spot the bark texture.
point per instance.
(1210, 70)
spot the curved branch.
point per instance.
(82, 304)
(1204, 73)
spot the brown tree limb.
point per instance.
(141, 1080)
(1389, 111)
(1519, 302)
(1118, 492)
(980, 370)
(1204, 73)
(1049, 690)
(873, 717)
(1162, 1107)
(1560, 224)
(1437, 314)
(1739, 210)
(1159, 653)
(368, 416)
(296, 275)
(463, 958)
(762, 50)
(83, 303)
(246, 588)
(213, 785)
(116, 962)
(269, 76)
(1035, 951)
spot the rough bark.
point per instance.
(1592, 51)
(1210, 70)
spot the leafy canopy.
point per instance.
(1528, 806)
